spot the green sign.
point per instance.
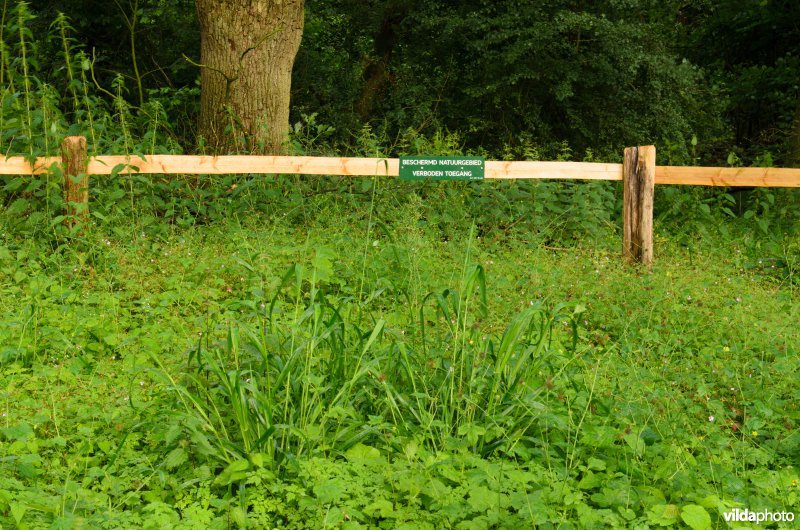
(441, 168)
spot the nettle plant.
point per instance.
(41, 102)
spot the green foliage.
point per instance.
(751, 49)
(599, 77)
(318, 383)
(117, 413)
(465, 355)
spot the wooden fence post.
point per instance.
(74, 161)
(638, 175)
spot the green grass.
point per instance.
(337, 353)
(275, 372)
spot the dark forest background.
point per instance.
(708, 82)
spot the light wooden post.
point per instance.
(638, 176)
(75, 160)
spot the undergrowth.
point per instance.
(252, 351)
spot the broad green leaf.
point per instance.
(260, 459)
(380, 507)
(663, 514)
(329, 491)
(18, 511)
(596, 464)
(589, 481)
(361, 452)
(175, 458)
(635, 442)
(696, 517)
(234, 472)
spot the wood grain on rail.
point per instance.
(229, 165)
(729, 176)
(307, 165)
(389, 167)
(553, 170)
(17, 165)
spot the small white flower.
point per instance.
(711, 418)
(141, 383)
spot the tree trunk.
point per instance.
(247, 52)
(375, 73)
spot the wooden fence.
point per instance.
(638, 172)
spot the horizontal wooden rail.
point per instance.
(729, 176)
(553, 170)
(639, 175)
(307, 165)
(355, 167)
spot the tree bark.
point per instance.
(247, 53)
(74, 161)
(375, 73)
(638, 175)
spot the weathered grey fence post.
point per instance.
(638, 175)
(74, 161)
